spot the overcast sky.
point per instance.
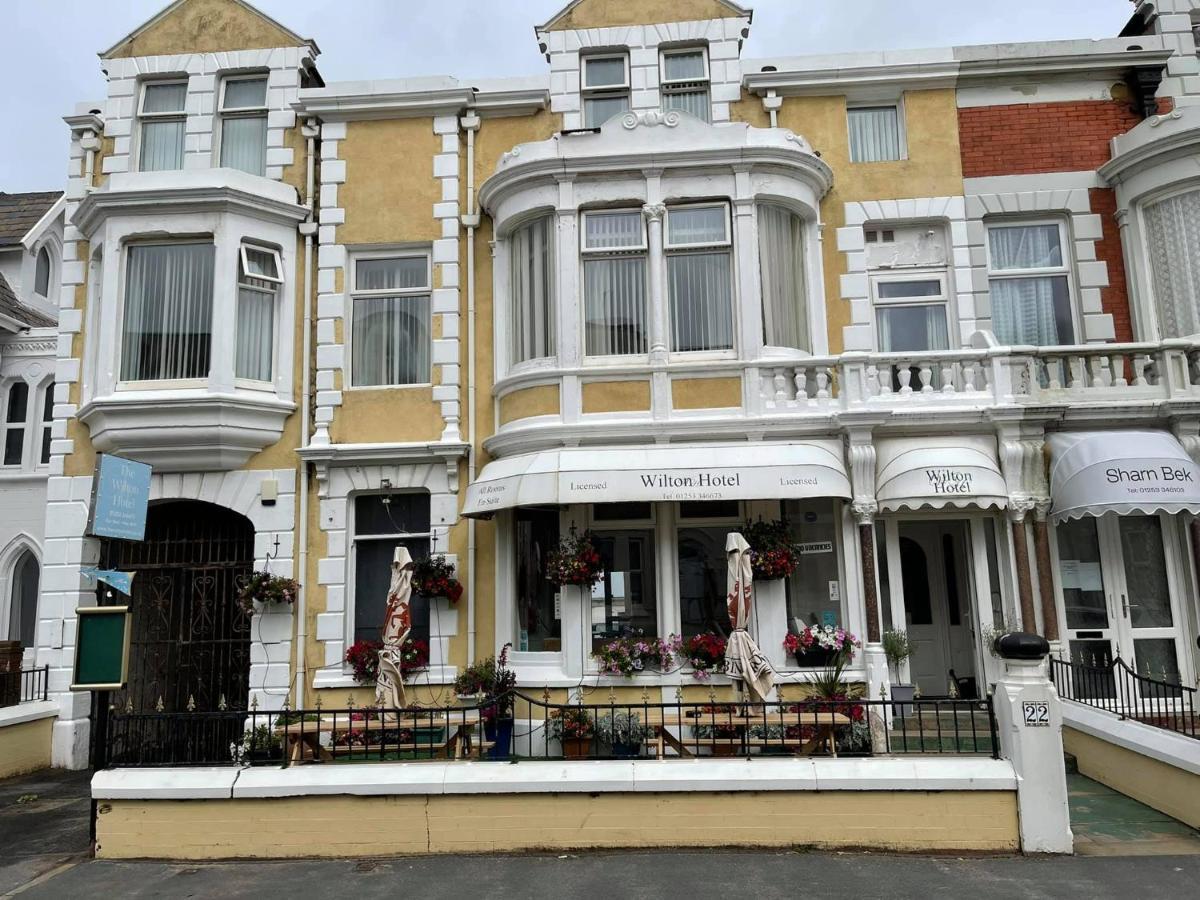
(49, 62)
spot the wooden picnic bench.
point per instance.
(661, 721)
(460, 738)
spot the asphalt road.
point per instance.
(696, 876)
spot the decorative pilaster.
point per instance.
(864, 515)
(1041, 543)
(1018, 509)
(654, 213)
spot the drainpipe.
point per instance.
(470, 123)
(310, 129)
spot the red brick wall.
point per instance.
(1115, 297)
(1028, 138)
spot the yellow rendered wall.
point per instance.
(616, 396)
(706, 393)
(933, 168)
(607, 13)
(525, 404)
(25, 747)
(333, 826)
(206, 26)
(1160, 786)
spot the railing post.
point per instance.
(1176, 375)
(1029, 725)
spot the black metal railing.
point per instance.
(24, 686)
(1117, 688)
(515, 727)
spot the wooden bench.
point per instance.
(303, 739)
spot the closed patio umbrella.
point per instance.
(397, 623)
(744, 661)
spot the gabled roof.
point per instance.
(12, 308)
(200, 26)
(21, 212)
(606, 13)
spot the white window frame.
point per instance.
(669, 86)
(277, 280)
(123, 299)
(173, 116)
(508, 333)
(942, 298)
(239, 112)
(640, 249)
(672, 249)
(353, 294)
(31, 398)
(901, 128)
(1066, 269)
(353, 538)
(45, 426)
(600, 92)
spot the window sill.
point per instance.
(334, 677)
(355, 388)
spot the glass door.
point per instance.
(1150, 623)
(1091, 632)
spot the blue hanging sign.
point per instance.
(120, 496)
(118, 581)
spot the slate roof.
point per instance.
(20, 212)
(10, 306)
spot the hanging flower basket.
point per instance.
(434, 577)
(821, 645)
(363, 656)
(265, 589)
(576, 562)
(773, 552)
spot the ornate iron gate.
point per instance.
(190, 643)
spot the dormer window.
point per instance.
(41, 274)
(605, 88)
(244, 123)
(685, 80)
(163, 118)
(258, 286)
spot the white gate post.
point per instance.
(1029, 723)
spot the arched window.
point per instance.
(41, 275)
(22, 618)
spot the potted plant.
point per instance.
(897, 648)
(573, 728)
(821, 645)
(491, 683)
(774, 553)
(576, 562)
(363, 657)
(706, 654)
(713, 722)
(263, 590)
(830, 694)
(258, 745)
(628, 656)
(623, 732)
(434, 577)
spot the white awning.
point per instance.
(1098, 472)
(936, 472)
(744, 471)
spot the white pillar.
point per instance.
(576, 603)
(769, 623)
(1029, 724)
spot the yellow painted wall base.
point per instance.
(333, 826)
(25, 747)
(1172, 791)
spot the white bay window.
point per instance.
(782, 273)
(162, 116)
(1173, 231)
(391, 329)
(244, 123)
(614, 279)
(700, 278)
(532, 272)
(166, 330)
(1029, 282)
(259, 279)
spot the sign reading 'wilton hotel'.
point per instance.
(950, 481)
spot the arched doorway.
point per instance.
(190, 642)
(22, 611)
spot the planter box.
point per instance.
(817, 658)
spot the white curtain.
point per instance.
(874, 134)
(531, 260)
(693, 101)
(613, 231)
(167, 328)
(1173, 233)
(614, 290)
(255, 332)
(904, 329)
(781, 264)
(701, 301)
(162, 139)
(244, 144)
(1029, 310)
(398, 273)
(392, 340)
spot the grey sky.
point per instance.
(49, 60)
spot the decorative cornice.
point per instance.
(651, 118)
(328, 456)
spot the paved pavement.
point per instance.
(43, 824)
(697, 876)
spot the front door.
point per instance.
(1120, 587)
(935, 578)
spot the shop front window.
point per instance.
(624, 603)
(815, 588)
(538, 611)
(703, 566)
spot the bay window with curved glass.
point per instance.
(259, 278)
(700, 278)
(614, 283)
(782, 278)
(531, 291)
(1173, 231)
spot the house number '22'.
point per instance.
(1037, 713)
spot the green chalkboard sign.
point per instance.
(102, 649)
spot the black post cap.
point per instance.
(1022, 646)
